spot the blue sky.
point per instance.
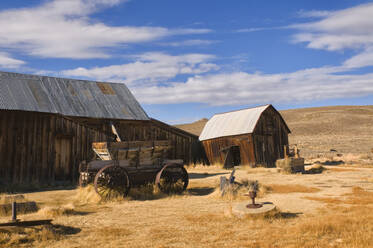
(188, 59)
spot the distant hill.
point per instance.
(347, 129)
(194, 127)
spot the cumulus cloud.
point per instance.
(245, 88)
(313, 13)
(189, 43)
(147, 78)
(343, 29)
(249, 30)
(149, 68)
(64, 29)
(360, 60)
(337, 30)
(153, 76)
(6, 61)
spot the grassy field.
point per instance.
(332, 209)
(346, 129)
(327, 208)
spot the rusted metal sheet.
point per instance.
(68, 97)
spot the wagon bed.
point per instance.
(123, 165)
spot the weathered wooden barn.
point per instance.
(47, 126)
(254, 137)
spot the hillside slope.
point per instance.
(347, 129)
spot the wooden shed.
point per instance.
(254, 136)
(48, 124)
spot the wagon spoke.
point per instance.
(112, 181)
(172, 179)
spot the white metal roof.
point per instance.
(232, 123)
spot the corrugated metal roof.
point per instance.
(232, 123)
(68, 97)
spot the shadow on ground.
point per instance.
(330, 162)
(65, 230)
(201, 191)
(80, 213)
(287, 215)
(31, 188)
(205, 175)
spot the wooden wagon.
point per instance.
(123, 165)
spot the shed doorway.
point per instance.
(232, 156)
(63, 158)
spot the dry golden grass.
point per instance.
(256, 170)
(86, 195)
(347, 129)
(330, 200)
(290, 188)
(195, 127)
(6, 199)
(341, 169)
(343, 228)
(52, 212)
(27, 237)
(201, 218)
(358, 196)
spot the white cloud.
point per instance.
(245, 88)
(343, 29)
(249, 30)
(313, 13)
(361, 60)
(149, 68)
(64, 29)
(151, 76)
(6, 61)
(189, 43)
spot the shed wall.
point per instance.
(262, 147)
(213, 148)
(43, 148)
(270, 136)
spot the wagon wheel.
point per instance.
(112, 181)
(173, 178)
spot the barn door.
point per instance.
(63, 159)
(231, 156)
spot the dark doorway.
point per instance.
(63, 158)
(232, 156)
(236, 155)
